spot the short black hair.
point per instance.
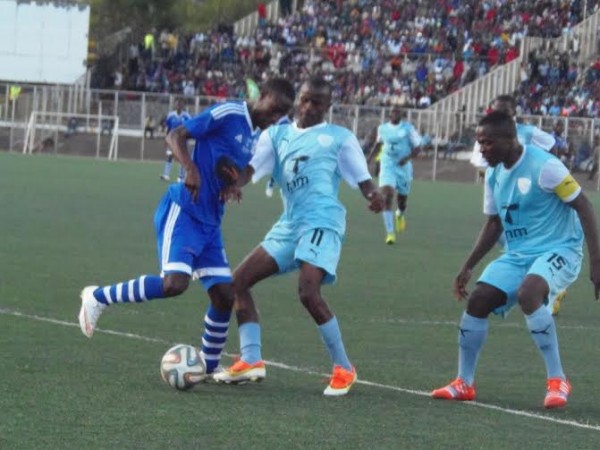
(507, 99)
(283, 89)
(501, 123)
(317, 82)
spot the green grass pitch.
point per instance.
(66, 223)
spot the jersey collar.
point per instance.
(302, 130)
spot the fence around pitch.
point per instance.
(448, 130)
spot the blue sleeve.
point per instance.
(202, 124)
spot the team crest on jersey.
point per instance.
(239, 138)
(325, 140)
(524, 185)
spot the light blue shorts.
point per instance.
(399, 177)
(188, 246)
(319, 247)
(559, 268)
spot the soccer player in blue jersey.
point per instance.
(398, 141)
(188, 219)
(527, 192)
(174, 119)
(308, 159)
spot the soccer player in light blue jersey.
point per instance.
(174, 119)
(528, 192)
(527, 134)
(398, 141)
(271, 183)
(188, 218)
(308, 159)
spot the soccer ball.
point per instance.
(182, 367)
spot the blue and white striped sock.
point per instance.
(144, 288)
(216, 327)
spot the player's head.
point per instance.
(497, 136)
(505, 103)
(179, 105)
(397, 114)
(314, 100)
(276, 100)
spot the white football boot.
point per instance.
(90, 311)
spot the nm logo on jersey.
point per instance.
(295, 166)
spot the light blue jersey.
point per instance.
(398, 142)
(222, 130)
(308, 164)
(306, 168)
(530, 200)
(175, 119)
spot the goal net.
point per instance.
(72, 134)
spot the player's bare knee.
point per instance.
(531, 293)
(482, 302)
(175, 284)
(221, 296)
(528, 300)
(309, 295)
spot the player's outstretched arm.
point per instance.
(585, 211)
(372, 194)
(177, 142)
(488, 236)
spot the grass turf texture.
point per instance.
(67, 223)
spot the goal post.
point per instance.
(94, 135)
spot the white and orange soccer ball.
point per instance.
(182, 367)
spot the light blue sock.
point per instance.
(388, 220)
(216, 326)
(181, 173)
(250, 342)
(471, 337)
(543, 331)
(332, 337)
(167, 171)
(146, 287)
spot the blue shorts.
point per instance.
(396, 176)
(319, 247)
(559, 268)
(188, 246)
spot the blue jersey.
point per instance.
(308, 164)
(530, 199)
(175, 119)
(224, 129)
(398, 140)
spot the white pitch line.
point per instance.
(427, 323)
(515, 412)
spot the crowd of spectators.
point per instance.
(375, 52)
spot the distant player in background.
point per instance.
(271, 182)
(526, 191)
(398, 141)
(188, 218)
(173, 120)
(308, 159)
